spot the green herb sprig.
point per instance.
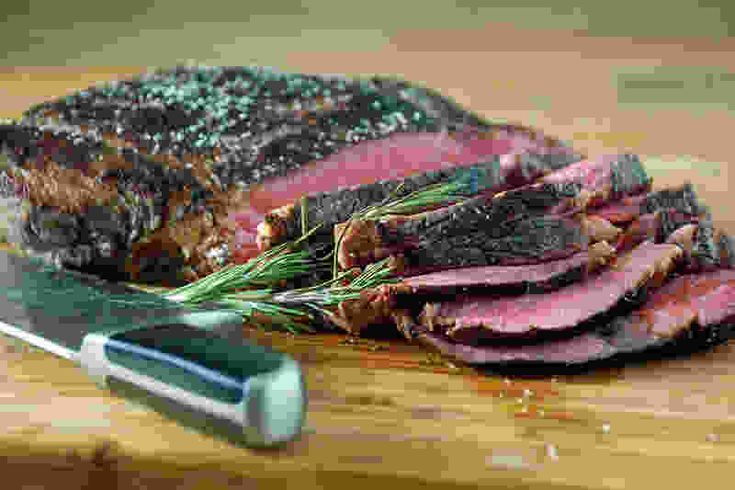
(270, 268)
(294, 309)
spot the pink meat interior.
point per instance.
(561, 309)
(497, 275)
(394, 157)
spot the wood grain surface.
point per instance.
(388, 413)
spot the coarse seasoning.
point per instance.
(179, 146)
(257, 121)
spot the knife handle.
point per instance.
(242, 391)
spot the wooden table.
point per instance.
(383, 413)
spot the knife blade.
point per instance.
(190, 364)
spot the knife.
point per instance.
(190, 364)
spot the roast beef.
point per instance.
(604, 179)
(553, 259)
(171, 172)
(690, 311)
(411, 293)
(491, 229)
(328, 209)
(475, 318)
(545, 276)
(541, 276)
(656, 227)
(683, 311)
(681, 199)
(381, 305)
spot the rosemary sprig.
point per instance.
(292, 309)
(467, 182)
(417, 201)
(267, 314)
(270, 268)
(333, 292)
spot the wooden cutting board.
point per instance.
(386, 413)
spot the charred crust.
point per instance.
(430, 318)
(359, 243)
(683, 199)
(67, 190)
(273, 230)
(373, 307)
(704, 252)
(406, 325)
(726, 247)
(599, 229)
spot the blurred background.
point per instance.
(654, 77)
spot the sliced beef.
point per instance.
(474, 235)
(402, 154)
(467, 233)
(394, 158)
(529, 241)
(542, 276)
(474, 318)
(656, 227)
(681, 199)
(605, 179)
(380, 305)
(550, 275)
(686, 313)
(199, 155)
(501, 172)
(412, 292)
